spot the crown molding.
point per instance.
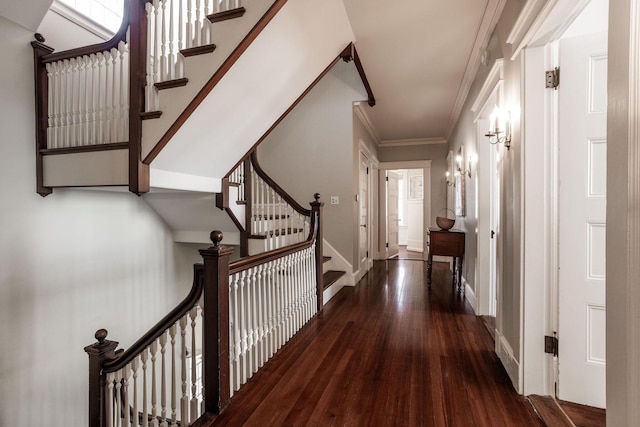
(408, 142)
(487, 25)
(360, 110)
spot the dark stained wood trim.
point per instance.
(275, 186)
(235, 220)
(255, 260)
(199, 50)
(549, 411)
(331, 277)
(317, 218)
(213, 81)
(222, 198)
(85, 148)
(168, 84)
(227, 14)
(148, 115)
(40, 50)
(121, 35)
(164, 324)
(138, 171)
(351, 54)
(216, 370)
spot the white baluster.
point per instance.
(88, 96)
(206, 25)
(63, 103)
(151, 55)
(184, 400)
(108, 71)
(174, 388)
(134, 369)
(198, 26)
(95, 89)
(115, 96)
(109, 406)
(237, 331)
(163, 380)
(163, 42)
(259, 293)
(119, 405)
(126, 407)
(171, 71)
(189, 28)
(193, 313)
(75, 102)
(50, 109)
(253, 327)
(154, 388)
(180, 58)
(145, 410)
(122, 129)
(101, 100)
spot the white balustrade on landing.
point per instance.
(274, 218)
(88, 99)
(268, 304)
(237, 178)
(162, 386)
(172, 26)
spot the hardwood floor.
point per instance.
(388, 352)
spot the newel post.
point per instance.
(216, 325)
(99, 353)
(316, 208)
(42, 111)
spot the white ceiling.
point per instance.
(420, 57)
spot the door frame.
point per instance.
(425, 165)
(487, 287)
(363, 152)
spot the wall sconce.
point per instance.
(450, 183)
(472, 160)
(500, 124)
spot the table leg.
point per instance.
(453, 273)
(429, 266)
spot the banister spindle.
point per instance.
(216, 324)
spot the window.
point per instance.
(101, 17)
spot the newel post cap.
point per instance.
(103, 345)
(316, 202)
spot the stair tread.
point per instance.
(199, 50)
(326, 259)
(331, 277)
(227, 14)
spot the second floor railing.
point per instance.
(271, 215)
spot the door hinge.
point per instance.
(367, 254)
(551, 344)
(387, 244)
(367, 170)
(387, 179)
(552, 78)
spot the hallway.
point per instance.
(386, 353)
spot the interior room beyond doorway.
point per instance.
(410, 214)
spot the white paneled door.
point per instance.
(393, 219)
(582, 163)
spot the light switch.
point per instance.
(335, 200)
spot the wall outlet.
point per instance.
(335, 200)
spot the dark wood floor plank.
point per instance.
(388, 352)
(584, 416)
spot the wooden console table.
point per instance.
(446, 243)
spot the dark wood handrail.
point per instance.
(121, 35)
(164, 324)
(264, 257)
(262, 174)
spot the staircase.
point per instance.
(179, 94)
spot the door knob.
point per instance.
(493, 233)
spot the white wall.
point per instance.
(70, 263)
(311, 151)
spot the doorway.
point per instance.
(405, 207)
(414, 212)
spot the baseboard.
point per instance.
(470, 295)
(332, 290)
(415, 249)
(511, 365)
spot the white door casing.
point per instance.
(363, 213)
(393, 220)
(582, 219)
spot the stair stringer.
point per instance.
(337, 262)
(276, 68)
